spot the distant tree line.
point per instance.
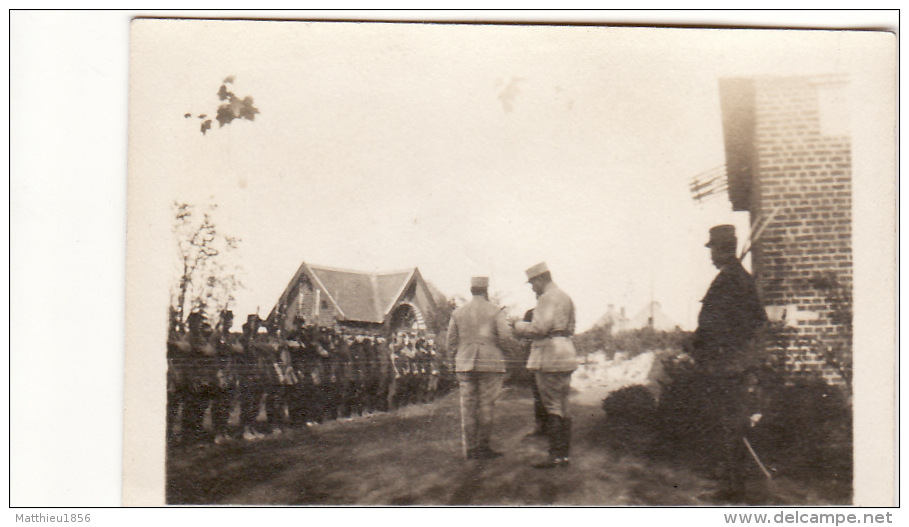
(629, 341)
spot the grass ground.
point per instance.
(412, 457)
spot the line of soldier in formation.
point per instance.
(303, 377)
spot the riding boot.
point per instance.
(540, 414)
(565, 439)
(541, 427)
(556, 433)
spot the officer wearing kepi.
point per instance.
(478, 331)
(724, 350)
(552, 359)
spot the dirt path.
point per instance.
(412, 457)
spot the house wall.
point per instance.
(310, 293)
(803, 259)
(417, 297)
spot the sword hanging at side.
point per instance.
(756, 458)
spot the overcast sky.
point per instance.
(462, 150)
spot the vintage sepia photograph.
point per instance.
(445, 264)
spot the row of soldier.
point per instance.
(301, 377)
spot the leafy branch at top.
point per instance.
(232, 107)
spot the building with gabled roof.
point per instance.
(652, 316)
(356, 301)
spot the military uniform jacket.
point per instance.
(477, 331)
(550, 330)
(731, 315)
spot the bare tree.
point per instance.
(207, 280)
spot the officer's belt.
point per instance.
(556, 333)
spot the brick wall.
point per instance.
(803, 258)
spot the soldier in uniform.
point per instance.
(269, 351)
(250, 382)
(417, 370)
(281, 406)
(397, 390)
(724, 351)
(552, 359)
(297, 348)
(386, 375)
(225, 392)
(478, 331)
(412, 369)
(330, 368)
(424, 370)
(178, 355)
(203, 380)
(350, 378)
(371, 376)
(432, 383)
(316, 356)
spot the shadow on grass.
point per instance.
(804, 441)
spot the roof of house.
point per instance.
(359, 296)
(661, 321)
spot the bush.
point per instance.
(631, 404)
(630, 419)
(684, 425)
(637, 341)
(805, 430)
(631, 341)
(806, 427)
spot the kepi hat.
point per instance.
(722, 236)
(536, 270)
(479, 282)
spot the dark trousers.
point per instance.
(250, 399)
(298, 405)
(195, 404)
(220, 409)
(329, 400)
(175, 403)
(276, 404)
(315, 407)
(728, 404)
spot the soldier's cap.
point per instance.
(262, 329)
(722, 236)
(536, 270)
(481, 282)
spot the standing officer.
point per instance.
(478, 330)
(552, 359)
(723, 349)
(226, 390)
